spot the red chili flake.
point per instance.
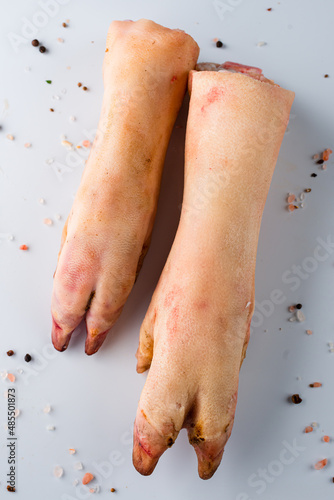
(270, 9)
(316, 384)
(308, 190)
(321, 464)
(24, 247)
(291, 308)
(326, 439)
(308, 429)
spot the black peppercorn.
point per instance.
(27, 358)
(296, 399)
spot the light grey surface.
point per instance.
(94, 399)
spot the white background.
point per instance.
(94, 399)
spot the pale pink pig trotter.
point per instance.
(195, 333)
(107, 233)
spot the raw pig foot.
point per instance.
(107, 233)
(196, 330)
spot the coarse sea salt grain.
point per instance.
(72, 451)
(58, 471)
(47, 409)
(42, 201)
(47, 222)
(78, 466)
(293, 318)
(3, 374)
(261, 44)
(75, 482)
(58, 216)
(300, 316)
(50, 427)
(72, 118)
(20, 371)
(17, 413)
(49, 161)
(10, 237)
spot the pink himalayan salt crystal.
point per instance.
(86, 143)
(48, 222)
(321, 464)
(72, 451)
(291, 198)
(308, 429)
(58, 471)
(11, 377)
(326, 439)
(291, 208)
(309, 332)
(88, 477)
